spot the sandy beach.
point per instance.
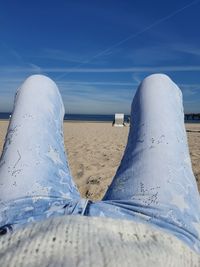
(95, 149)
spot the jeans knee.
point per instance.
(38, 86)
(37, 94)
(158, 86)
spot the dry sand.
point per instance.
(95, 150)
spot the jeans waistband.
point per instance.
(19, 212)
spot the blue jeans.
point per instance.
(154, 183)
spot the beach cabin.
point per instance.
(119, 120)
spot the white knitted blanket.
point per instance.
(86, 241)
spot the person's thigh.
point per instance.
(33, 166)
(155, 178)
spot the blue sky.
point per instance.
(98, 51)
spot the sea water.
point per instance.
(89, 117)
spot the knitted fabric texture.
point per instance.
(86, 241)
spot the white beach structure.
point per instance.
(119, 120)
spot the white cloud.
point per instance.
(107, 70)
(93, 96)
(93, 100)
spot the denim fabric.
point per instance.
(34, 172)
(154, 183)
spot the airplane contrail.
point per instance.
(134, 35)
